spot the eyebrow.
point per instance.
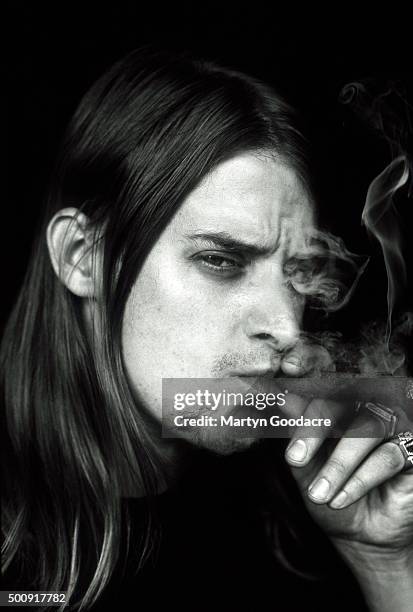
(228, 242)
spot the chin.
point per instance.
(225, 446)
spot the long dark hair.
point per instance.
(141, 139)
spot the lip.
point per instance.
(262, 373)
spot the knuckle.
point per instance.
(318, 408)
(356, 485)
(336, 466)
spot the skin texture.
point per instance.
(198, 309)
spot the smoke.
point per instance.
(388, 115)
(369, 354)
(324, 271)
(383, 109)
(327, 273)
(381, 219)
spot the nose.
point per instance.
(273, 316)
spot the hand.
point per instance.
(355, 488)
(364, 500)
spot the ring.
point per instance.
(405, 442)
(385, 415)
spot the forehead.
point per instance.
(250, 194)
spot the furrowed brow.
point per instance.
(224, 240)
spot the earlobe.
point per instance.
(70, 245)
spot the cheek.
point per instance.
(171, 328)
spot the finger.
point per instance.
(307, 439)
(294, 405)
(361, 437)
(380, 466)
(342, 463)
(304, 358)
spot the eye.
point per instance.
(217, 261)
(220, 263)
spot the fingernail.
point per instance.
(295, 361)
(297, 451)
(320, 489)
(340, 500)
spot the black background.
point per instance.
(57, 51)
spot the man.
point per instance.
(180, 195)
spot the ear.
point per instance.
(72, 253)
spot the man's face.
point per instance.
(211, 299)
